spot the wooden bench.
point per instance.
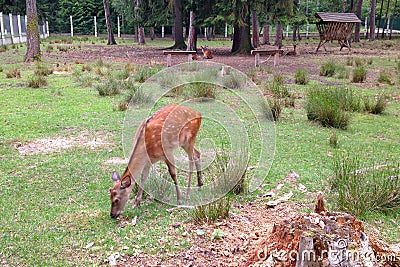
(272, 52)
(169, 53)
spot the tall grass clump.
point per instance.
(13, 73)
(211, 212)
(42, 70)
(359, 188)
(301, 76)
(325, 105)
(273, 108)
(109, 88)
(385, 77)
(37, 81)
(328, 69)
(145, 72)
(376, 105)
(202, 90)
(359, 75)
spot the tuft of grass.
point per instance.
(342, 72)
(109, 88)
(328, 69)
(86, 68)
(13, 73)
(377, 105)
(360, 189)
(42, 70)
(301, 76)
(276, 106)
(37, 81)
(233, 82)
(359, 75)
(145, 72)
(328, 106)
(359, 62)
(279, 90)
(211, 212)
(1, 69)
(3, 48)
(385, 77)
(202, 90)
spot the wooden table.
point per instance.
(170, 53)
(272, 52)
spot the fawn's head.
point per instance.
(119, 194)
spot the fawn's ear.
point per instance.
(115, 176)
(126, 182)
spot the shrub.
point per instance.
(325, 106)
(13, 73)
(328, 69)
(385, 77)
(42, 70)
(359, 75)
(376, 105)
(359, 189)
(37, 81)
(301, 76)
(211, 212)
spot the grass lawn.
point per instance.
(55, 203)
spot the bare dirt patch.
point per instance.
(60, 143)
(256, 235)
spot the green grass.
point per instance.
(54, 205)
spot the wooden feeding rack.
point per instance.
(335, 26)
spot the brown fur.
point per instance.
(206, 52)
(156, 138)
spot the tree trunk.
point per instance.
(279, 35)
(254, 34)
(141, 40)
(391, 23)
(241, 33)
(32, 32)
(295, 29)
(266, 35)
(379, 19)
(110, 34)
(358, 24)
(178, 33)
(192, 33)
(386, 18)
(372, 20)
(152, 35)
